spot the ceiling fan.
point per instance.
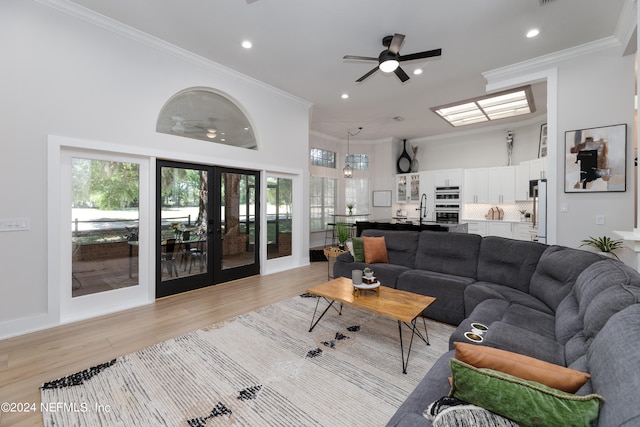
(389, 59)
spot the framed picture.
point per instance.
(542, 144)
(382, 198)
(596, 159)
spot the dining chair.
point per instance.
(168, 257)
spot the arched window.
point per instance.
(202, 113)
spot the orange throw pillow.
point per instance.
(528, 368)
(375, 250)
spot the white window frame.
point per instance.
(61, 302)
(326, 217)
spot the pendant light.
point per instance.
(348, 170)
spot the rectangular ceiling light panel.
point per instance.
(510, 103)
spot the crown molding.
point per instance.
(80, 12)
(550, 60)
(626, 28)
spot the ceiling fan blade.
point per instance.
(420, 55)
(367, 75)
(401, 74)
(360, 58)
(396, 43)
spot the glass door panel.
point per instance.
(182, 237)
(238, 229)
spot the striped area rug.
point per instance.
(262, 368)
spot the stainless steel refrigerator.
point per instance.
(539, 191)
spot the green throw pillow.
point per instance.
(358, 249)
(526, 402)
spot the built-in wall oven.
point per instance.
(448, 205)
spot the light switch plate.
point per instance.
(15, 224)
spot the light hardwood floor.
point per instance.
(28, 361)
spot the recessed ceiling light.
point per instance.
(417, 71)
(344, 96)
(246, 44)
(532, 33)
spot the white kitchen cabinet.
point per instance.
(477, 227)
(402, 188)
(408, 188)
(500, 229)
(502, 187)
(449, 178)
(537, 168)
(522, 181)
(524, 231)
(528, 171)
(476, 185)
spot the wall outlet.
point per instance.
(564, 207)
(600, 219)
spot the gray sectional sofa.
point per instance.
(565, 306)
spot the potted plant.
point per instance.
(342, 233)
(605, 244)
(368, 273)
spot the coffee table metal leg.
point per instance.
(414, 331)
(313, 325)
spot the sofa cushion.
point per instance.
(508, 262)
(556, 273)
(601, 308)
(448, 290)
(525, 367)
(526, 402)
(449, 253)
(401, 245)
(593, 280)
(481, 291)
(531, 319)
(615, 368)
(518, 340)
(387, 274)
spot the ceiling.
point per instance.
(298, 47)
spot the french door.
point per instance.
(207, 226)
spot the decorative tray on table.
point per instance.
(371, 284)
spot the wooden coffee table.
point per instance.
(402, 306)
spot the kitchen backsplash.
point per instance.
(511, 212)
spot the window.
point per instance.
(323, 202)
(279, 209)
(323, 158)
(201, 113)
(357, 194)
(358, 161)
(105, 223)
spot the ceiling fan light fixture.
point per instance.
(389, 65)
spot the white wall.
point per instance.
(481, 148)
(65, 76)
(595, 90)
